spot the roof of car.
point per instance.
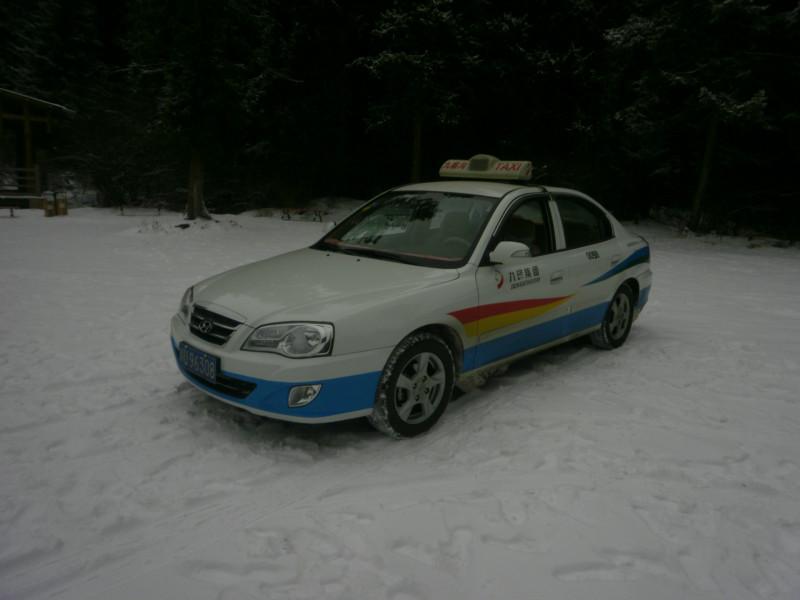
(478, 187)
(458, 186)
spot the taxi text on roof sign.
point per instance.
(485, 166)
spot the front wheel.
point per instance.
(617, 321)
(415, 387)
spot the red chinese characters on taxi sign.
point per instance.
(456, 165)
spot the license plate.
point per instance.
(198, 362)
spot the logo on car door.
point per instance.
(522, 276)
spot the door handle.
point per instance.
(615, 259)
(556, 276)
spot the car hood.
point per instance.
(312, 285)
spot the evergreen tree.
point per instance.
(422, 54)
(684, 103)
(194, 59)
(687, 70)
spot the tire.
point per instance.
(617, 321)
(415, 387)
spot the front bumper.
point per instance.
(259, 382)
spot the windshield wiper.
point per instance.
(375, 253)
(328, 247)
(362, 251)
(323, 245)
(382, 254)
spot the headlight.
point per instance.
(295, 340)
(186, 302)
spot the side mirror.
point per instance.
(505, 252)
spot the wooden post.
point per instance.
(705, 169)
(195, 203)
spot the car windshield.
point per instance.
(425, 228)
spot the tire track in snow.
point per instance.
(205, 530)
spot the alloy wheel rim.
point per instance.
(420, 388)
(619, 316)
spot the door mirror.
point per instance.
(506, 251)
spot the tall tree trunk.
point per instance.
(196, 204)
(416, 148)
(705, 170)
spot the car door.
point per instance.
(590, 250)
(523, 302)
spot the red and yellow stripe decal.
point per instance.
(489, 317)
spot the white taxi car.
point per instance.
(424, 287)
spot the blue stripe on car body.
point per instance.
(485, 353)
(339, 395)
(642, 255)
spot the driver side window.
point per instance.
(528, 224)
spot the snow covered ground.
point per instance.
(667, 469)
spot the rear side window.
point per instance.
(584, 223)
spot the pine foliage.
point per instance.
(688, 105)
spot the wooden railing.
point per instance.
(20, 181)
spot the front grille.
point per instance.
(227, 385)
(218, 328)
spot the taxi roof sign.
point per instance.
(485, 166)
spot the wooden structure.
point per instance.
(25, 126)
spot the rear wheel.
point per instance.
(415, 388)
(617, 321)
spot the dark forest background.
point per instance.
(693, 105)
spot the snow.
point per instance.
(669, 468)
